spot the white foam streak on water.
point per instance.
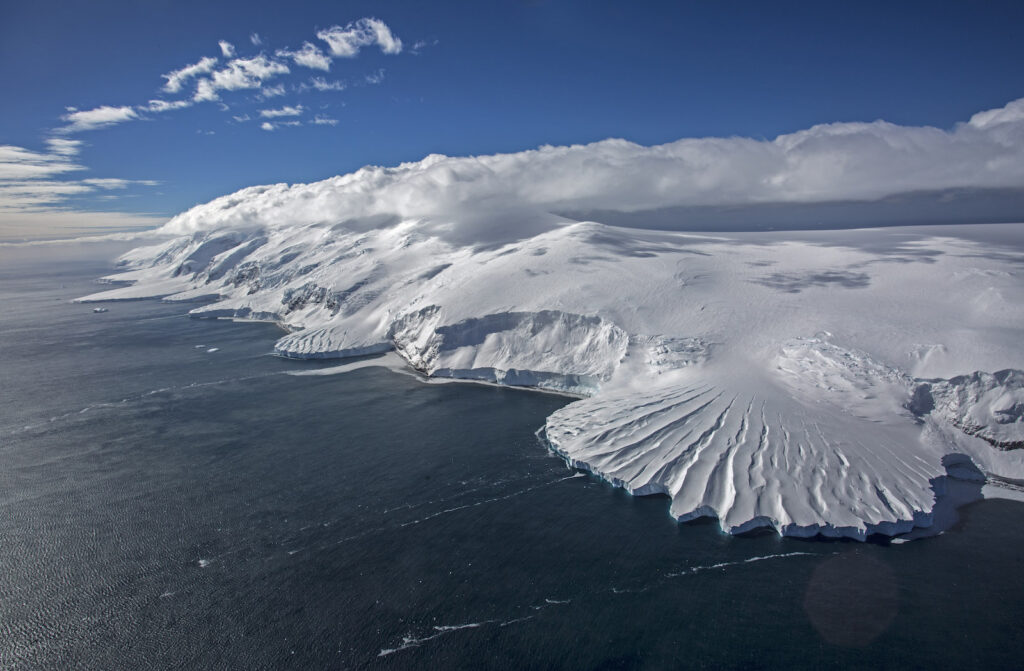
(697, 569)
(494, 500)
(490, 485)
(383, 529)
(410, 506)
(552, 602)
(409, 641)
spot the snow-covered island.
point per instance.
(816, 382)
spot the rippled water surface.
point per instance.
(173, 497)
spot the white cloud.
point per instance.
(1011, 113)
(346, 42)
(285, 111)
(826, 163)
(32, 195)
(324, 121)
(375, 77)
(266, 125)
(240, 73)
(18, 163)
(24, 170)
(36, 194)
(321, 84)
(227, 49)
(52, 224)
(271, 91)
(99, 117)
(63, 147)
(205, 91)
(164, 106)
(177, 78)
(309, 56)
(420, 45)
(33, 200)
(255, 39)
(242, 119)
(116, 183)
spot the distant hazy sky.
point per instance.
(101, 114)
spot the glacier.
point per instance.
(742, 375)
(812, 383)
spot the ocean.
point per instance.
(173, 496)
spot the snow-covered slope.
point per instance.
(821, 382)
(989, 406)
(763, 380)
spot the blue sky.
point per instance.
(456, 78)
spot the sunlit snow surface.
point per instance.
(811, 383)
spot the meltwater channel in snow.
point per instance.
(823, 382)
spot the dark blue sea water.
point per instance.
(165, 506)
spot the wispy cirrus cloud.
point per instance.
(37, 186)
(285, 111)
(418, 46)
(308, 56)
(240, 73)
(18, 163)
(176, 78)
(38, 200)
(164, 105)
(346, 42)
(321, 84)
(117, 183)
(271, 92)
(268, 125)
(99, 117)
(37, 193)
(249, 73)
(63, 147)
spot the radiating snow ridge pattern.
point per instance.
(815, 383)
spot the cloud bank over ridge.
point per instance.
(825, 163)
